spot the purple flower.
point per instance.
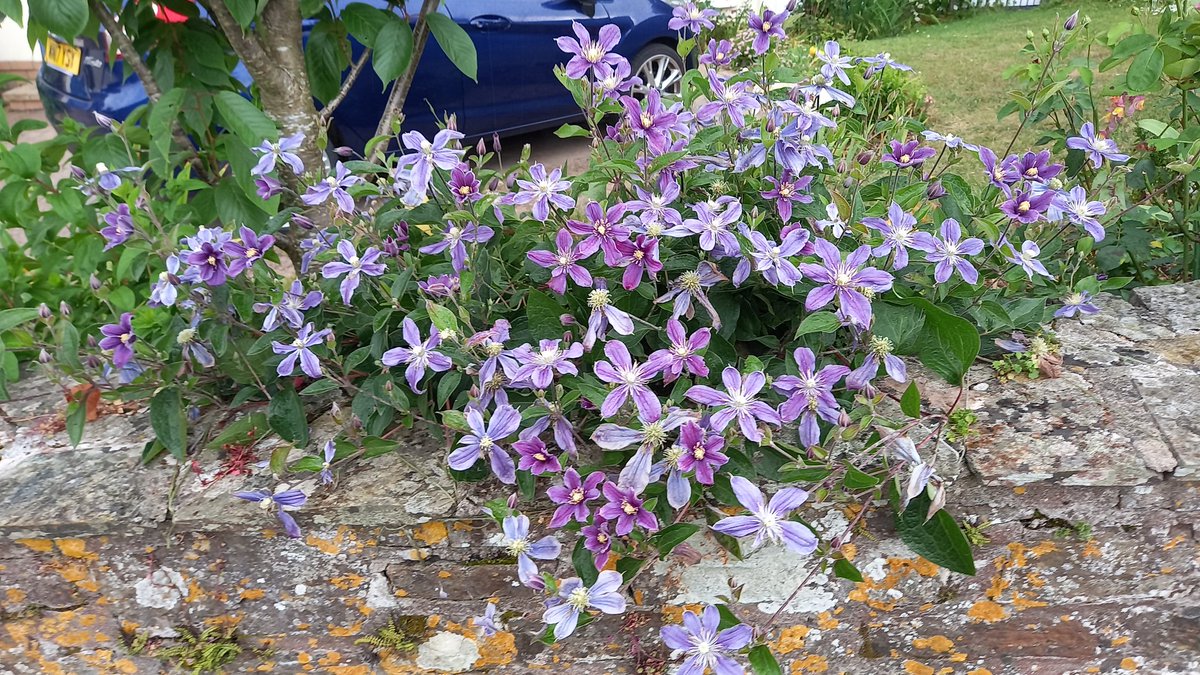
(164, 292)
(786, 190)
(267, 187)
(949, 252)
(768, 522)
(464, 186)
(682, 354)
(700, 452)
(249, 251)
(690, 286)
(330, 451)
(833, 63)
(417, 166)
(573, 496)
(833, 222)
(878, 349)
(737, 402)
(653, 209)
(586, 54)
(631, 379)
(950, 140)
(315, 245)
(487, 623)
(597, 538)
(1097, 148)
(626, 508)
(691, 18)
(1082, 212)
(516, 540)
(766, 26)
(119, 338)
(880, 61)
(907, 154)
(418, 355)
(732, 100)
(563, 263)
(718, 53)
(810, 395)
(651, 436)
(1026, 258)
(484, 441)
(772, 260)
(290, 307)
(284, 499)
(1077, 302)
(564, 433)
(333, 186)
(573, 598)
(612, 81)
(191, 348)
(1036, 166)
(641, 259)
(603, 314)
(538, 368)
(353, 267)
(207, 261)
(706, 647)
(453, 238)
(543, 191)
(712, 223)
(820, 89)
(602, 230)
(120, 226)
(284, 150)
(999, 174)
(844, 280)
(652, 121)
(1026, 207)
(440, 286)
(300, 349)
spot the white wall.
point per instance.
(13, 45)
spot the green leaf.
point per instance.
(285, 414)
(455, 42)
(762, 661)
(543, 313)
(325, 57)
(76, 419)
(844, 569)
(244, 431)
(309, 463)
(442, 318)
(526, 484)
(319, 387)
(169, 422)
(628, 566)
(571, 131)
(455, 419)
(278, 462)
(243, 11)
(819, 322)
(671, 536)
(858, 480)
(244, 119)
(12, 10)
(910, 402)
(365, 22)
(949, 344)
(11, 318)
(447, 385)
(901, 324)
(1145, 71)
(939, 540)
(728, 618)
(584, 563)
(393, 49)
(65, 18)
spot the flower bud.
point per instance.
(106, 121)
(44, 356)
(1072, 21)
(94, 282)
(388, 386)
(78, 173)
(481, 148)
(44, 311)
(64, 309)
(91, 341)
(193, 414)
(1029, 35)
(843, 166)
(494, 184)
(1045, 33)
(513, 500)
(91, 362)
(864, 158)
(496, 142)
(567, 319)
(935, 191)
(344, 151)
(848, 182)
(302, 222)
(844, 419)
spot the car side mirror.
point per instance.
(588, 7)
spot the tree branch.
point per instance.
(327, 111)
(395, 103)
(132, 56)
(245, 44)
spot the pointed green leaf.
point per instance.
(169, 422)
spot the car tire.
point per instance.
(659, 67)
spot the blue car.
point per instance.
(517, 91)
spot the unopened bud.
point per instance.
(344, 151)
(64, 309)
(1045, 33)
(44, 356)
(303, 222)
(91, 341)
(91, 361)
(452, 123)
(388, 386)
(843, 166)
(844, 419)
(496, 142)
(567, 319)
(1029, 35)
(1072, 21)
(864, 158)
(44, 311)
(94, 282)
(481, 148)
(935, 191)
(513, 500)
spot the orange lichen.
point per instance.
(431, 533)
(979, 671)
(825, 621)
(938, 643)
(1091, 550)
(497, 650)
(14, 596)
(252, 594)
(39, 545)
(1024, 603)
(1118, 641)
(330, 659)
(75, 548)
(348, 581)
(1179, 539)
(444, 574)
(849, 551)
(791, 639)
(1128, 664)
(915, 668)
(346, 631)
(812, 663)
(1035, 579)
(326, 546)
(958, 657)
(986, 611)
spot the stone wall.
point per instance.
(1083, 493)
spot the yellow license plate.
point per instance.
(64, 57)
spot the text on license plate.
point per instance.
(64, 57)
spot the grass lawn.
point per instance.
(962, 63)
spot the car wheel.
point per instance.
(659, 67)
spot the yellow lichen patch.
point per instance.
(1019, 490)
(938, 643)
(916, 668)
(1035, 579)
(14, 596)
(1118, 641)
(1025, 603)
(326, 546)
(444, 574)
(958, 657)
(74, 548)
(39, 545)
(195, 592)
(433, 620)
(979, 671)
(224, 621)
(812, 663)
(252, 594)
(497, 650)
(986, 611)
(849, 551)
(1128, 664)
(638, 597)
(431, 533)
(825, 621)
(791, 639)
(400, 593)
(1092, 550)
(346, 631)
(330, 659)
(348, 581)
(349, 670)
(1174, 542)
(1043, 548)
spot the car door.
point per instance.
(520, 42)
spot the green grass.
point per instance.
(962, 63)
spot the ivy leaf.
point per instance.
(168, 421)
(939, 539)
(763, 662)
(455, 42)
(671, 536)
(584, 563)
(393, 49)
(949, 344)
(285, 414)
(910, 402)
(818, 322)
